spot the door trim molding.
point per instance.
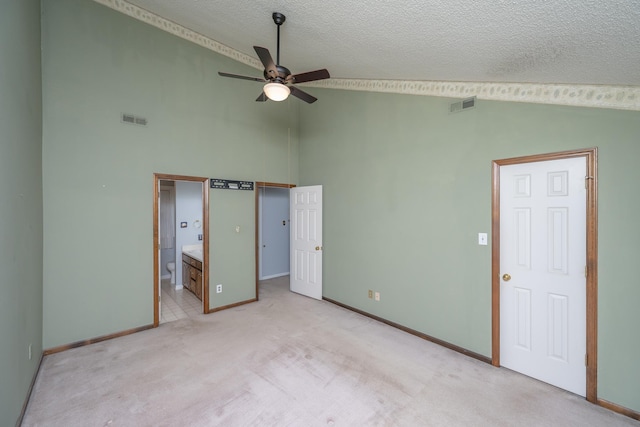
(258, 186)
(157, 177)
(591, 157)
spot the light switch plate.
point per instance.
(482, 239)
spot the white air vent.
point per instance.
(465, 104)
(134, 120)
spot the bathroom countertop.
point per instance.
(194, 251)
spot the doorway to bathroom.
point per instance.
(180, 247)
(272, 231)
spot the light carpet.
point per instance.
(288, 360)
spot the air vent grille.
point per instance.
(462, 105)
(133, 119)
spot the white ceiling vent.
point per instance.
(462, 105)
(132, 119)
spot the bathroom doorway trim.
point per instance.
(157, 177)
(259, 185)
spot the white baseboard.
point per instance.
(273, 276)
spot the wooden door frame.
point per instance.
(591, 180)
(258, 186)
(157, 177)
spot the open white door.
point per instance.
(542, 264)
(306, 241)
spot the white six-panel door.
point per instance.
(542, 268)
(306, 241)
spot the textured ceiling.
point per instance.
(534, 41)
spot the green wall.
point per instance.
(407, 187)
(98, 172)
(21, 205)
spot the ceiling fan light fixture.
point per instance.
(276, 91)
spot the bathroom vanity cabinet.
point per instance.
(192, 275)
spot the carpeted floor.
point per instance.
(288, 360)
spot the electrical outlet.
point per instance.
(370, 293)
(377, 296)
(218, 289)
(29, 351)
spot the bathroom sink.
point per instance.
(194, 251)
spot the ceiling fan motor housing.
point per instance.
(283, 73)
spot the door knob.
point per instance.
(318, 248)
(506, 277)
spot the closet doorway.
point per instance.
(272, 231)
(190, 227)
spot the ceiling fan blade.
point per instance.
(262, 97)
(237, 76)
(310, 76)
(302, 95)
(267, 61)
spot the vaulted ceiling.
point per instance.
(511, 45)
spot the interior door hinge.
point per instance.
(586, 181)
(586, 271)
(586, 360)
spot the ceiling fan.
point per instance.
(279, 80)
